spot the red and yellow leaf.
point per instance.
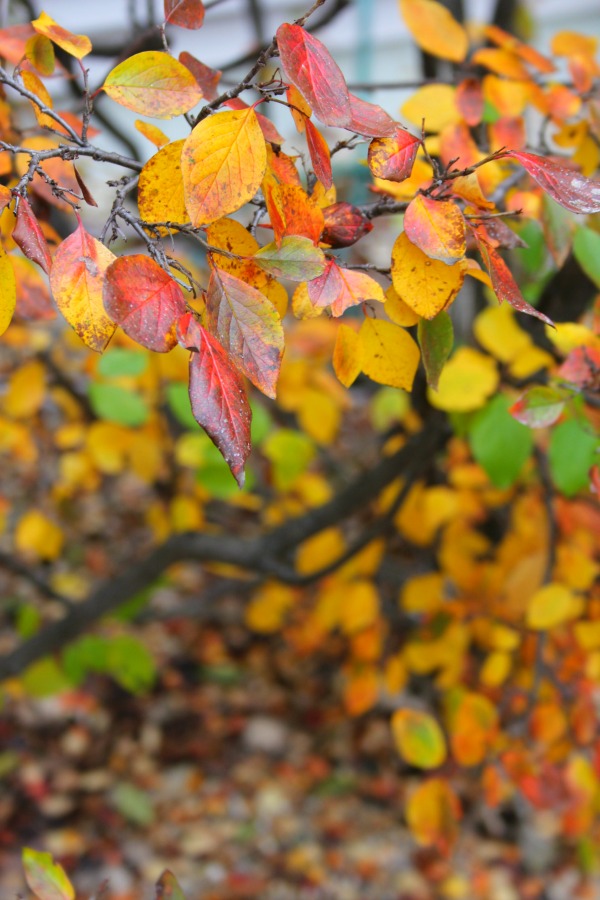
(247, 326)
(76, 281)
(437, 227)
(307, 63)
(153, 84)
(341, 288)
(393, 157)
(217, 395)
(46, 878)
(77, 45)
(223, 163)
(144, 300)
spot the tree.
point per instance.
(470, 492)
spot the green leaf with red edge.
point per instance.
(307, 63)
(206, 78)
(369, 119)
(46, 878)
(539, 407)
(393, 157)
(144, 300)
(29, 237)
(419, 738)
(76, 281)
(217, 395)
(319, 154)
(341, 288)
(167, 887)
(185, 13)
(565, 185)
(436, 340)
(344, 224)
(248, 326)
(153, 84)
(505, 286)
(437, 227)
(222, 163)
(296, 258)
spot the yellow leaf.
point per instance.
(572, 43)
(302, 307)
(268, 607)
(160, 188)
(8, 289)
(419, 738)
(466, 382)
(153, 84)
(77, 45)
(107, 445)
(423, 593)
(38, 537)
(472, 727)
(398, 311)
(508, 98)
(360, 606)
(434, 29)
(154, 134)
(390, 355)
(185, 513)
(426, 285)
(26, 390)
(495, 669)
(432, 814)
(435, 104)
(566, 336)
(347, 355)
(437, 227)
(35, 86)
(550, 606)
(223, 163)
(319, 415)
(498, 332)
(319, 551)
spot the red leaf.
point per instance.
(568, 187)
(85, 193)
(185, 13)
(393, 157)
(342, 288)
(344, 225)
(505, 286)
(217, 395)
(206, 77)
(307, 63)
(144, 300)
(369, 119)
(319, 154)
(248, 326)
(582, 367)
(28, 236)
(469, 100)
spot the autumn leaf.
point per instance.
(319, 154)
(469, 101)
(160, 187)
(77, 45)
(217, 395)
(551, 606)
(568, 187)
(76, 281)
(206, 78)
(389, 354)
(432, 814)
(309, 66)
(248, 328)
(419, 738)
(344, 225)
(154, 134)
(466, 381)
(539, 407)
(347, 355)
(436, 340)
(153, 84)
(292, 211)
(8, 290)
(144, 300)
(223, 163)
(437, 227)
(369, 119)
(295, 258)
(167, 886)
(434, 29)
(185, 13)
(473, 723)
(426, 285)
(341, 288)
(46, 878)
(28, 236)
(393, 157)
(39, 50)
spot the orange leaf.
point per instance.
(76, 281)
(223, 163)
(341, 288)
(154, 134)
(292, 211)
(206, 78)
(419, 738)
(469, 101)
(426, 285)
(432, 814)
(152, 83)
(434, 29)
(248, 327)
(185, 13)
(472, 728)
(75, 44)
(437, 227)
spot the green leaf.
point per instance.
(44, 678)
(500, 444)
(289, 452)
(88, 654)
(296, 259)
(46, 878)
(261, 423)
(118, 362)
(167, 887)
(28, 620)
(436, 339)
(539, 407)
(116, 404)
(572, 453)
(586, 249)
(130, 664)
(215, 475)
(133, 804)
(178, 399)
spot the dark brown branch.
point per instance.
(262, 555)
